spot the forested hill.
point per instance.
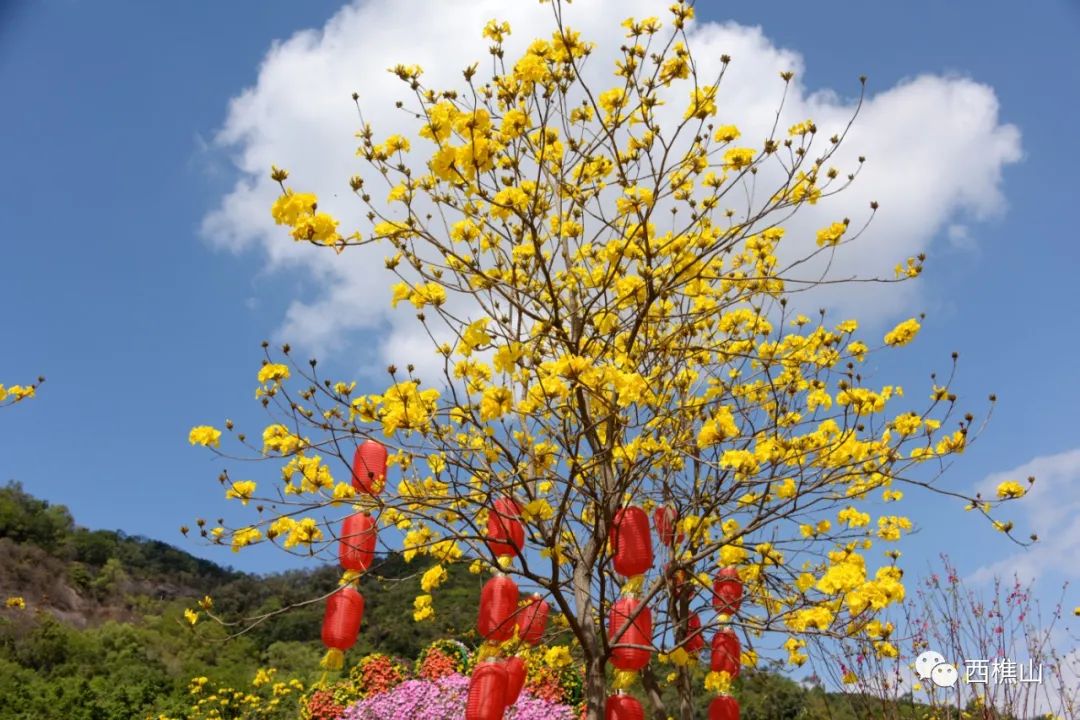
(103, 634)
(85, 575)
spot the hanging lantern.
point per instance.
(726, 652)
(631, 543)
(505, 533)
(515, 678)
(638, 632)
(695, 638)
(369, 468)
(728, 591)
(498, 605)
(623, 707)
(356, 547)
(665, 520)
(532, 620)
(487, 692)
(724, 707)
(341, 625)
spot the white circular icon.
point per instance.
(924, 664)
(944, 675)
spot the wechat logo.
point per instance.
(931, 666)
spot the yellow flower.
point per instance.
(726, 133)
(191, 616)
(623, 679)
(702, 103)
(244, 537)
(1010, 489)
(831, 235)
(207, 603)
(903, 333)
(558, 657)
(304, 532)
(422, 609)
(242, 490)
(273, 372)
(15, 603)
(538, 509)
(433, 578)
(718, 682)
(679, 657)
(205, 435)
(738, 158)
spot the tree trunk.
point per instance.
(595, 688)
(652, 692)
(686, 695)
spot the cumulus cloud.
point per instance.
(935, 148)
(1051, 509)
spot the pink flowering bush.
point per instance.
(444, 699)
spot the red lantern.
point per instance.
(487, 692)
(623, 707)
(695, 639)
(356, 548)
(498, 605)
(726, 652)
(665, 519)
(638, 632)
(728, 591)
(505, 533)
(515, 678)
(341, 623)
(724, 707)
(369, 468)
(631, 543)
(532, 620)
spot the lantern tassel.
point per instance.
(334, 659)
(623, 679)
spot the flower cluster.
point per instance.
(377, 673)
(444, 699)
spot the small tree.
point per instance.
(1016, 658)
(614, 303)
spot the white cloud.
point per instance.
(1051, 509)
(935, 149)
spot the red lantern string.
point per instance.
(631, 542)
(505, 533)
(724, 707)
(622, 631)
(356, 548)
(498, 605)
(695, 638)
(515, 678)
(728, 591)
(532, 620)
(726, 652)
(623, 707)
(369, 468)
(487, 692)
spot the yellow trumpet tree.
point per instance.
(614, 302)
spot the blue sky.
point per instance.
(145, 325)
